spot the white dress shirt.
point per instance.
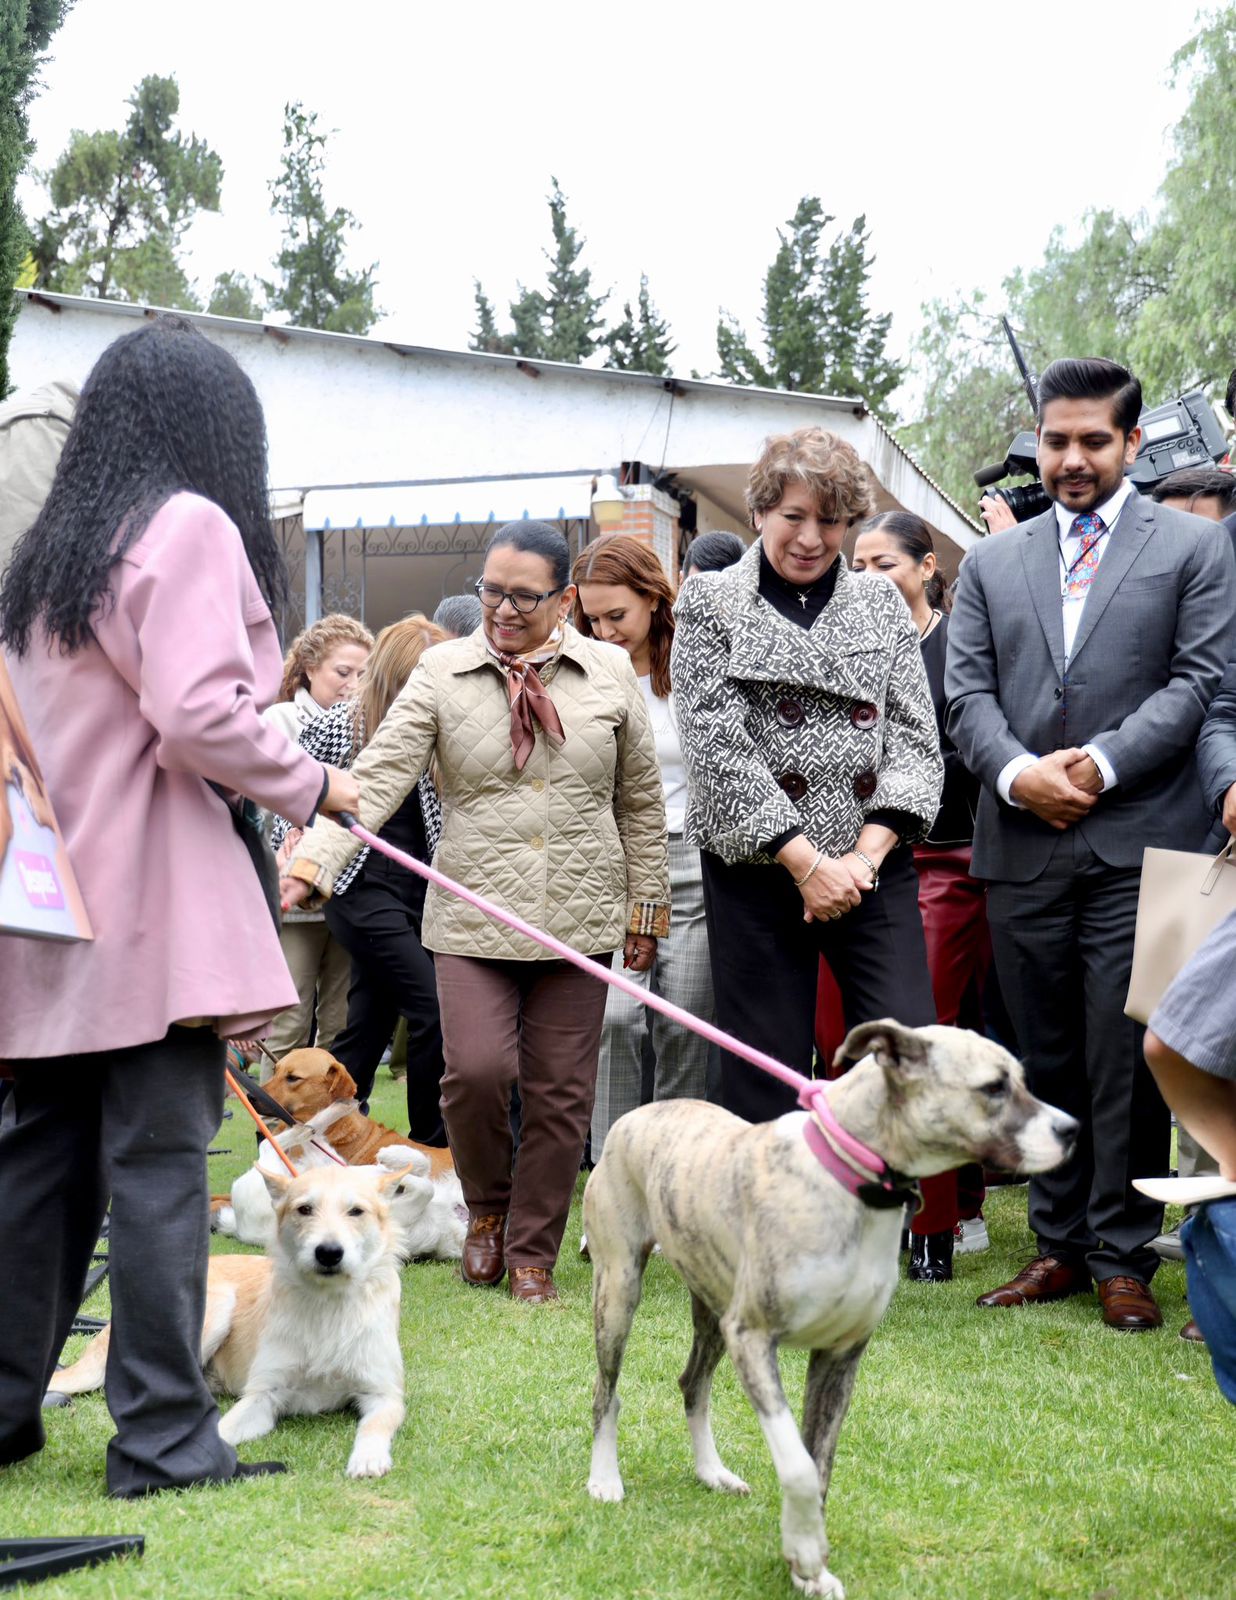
(1071, 609)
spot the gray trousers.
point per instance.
(133, 1125)
(1064, 949)
(681, 974)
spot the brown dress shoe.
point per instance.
(483, 1260)
(1045, 1278)
(1192, 1333)
(1129, 1305)
(533, 1285)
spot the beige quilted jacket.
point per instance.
(575, 843)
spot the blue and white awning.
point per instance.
(407, 505)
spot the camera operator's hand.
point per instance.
(996, 514)
(1047, 791)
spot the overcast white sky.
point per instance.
(682, 135)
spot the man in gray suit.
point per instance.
(1083, 651)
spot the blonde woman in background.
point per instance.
(377, 907)
(322, 667)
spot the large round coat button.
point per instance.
(865, 784)
(795, 785)
(864, 714)
(790, 713)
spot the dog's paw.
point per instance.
(607, 1489)
(727, 1482)
(823, 1584)
(370, 1459)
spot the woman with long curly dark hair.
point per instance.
(136, 622)
(626, 599)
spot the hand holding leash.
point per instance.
(342, 794)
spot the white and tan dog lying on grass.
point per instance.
(313, 1328)
(776, 1250)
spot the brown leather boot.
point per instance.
(533, 1285)
(484, 1260)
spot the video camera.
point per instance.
(1180, 433)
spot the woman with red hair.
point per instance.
(625, 599)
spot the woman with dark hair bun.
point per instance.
(626, 599)
(953, 904)
(712, 552)
(136, 620)
(551, 806)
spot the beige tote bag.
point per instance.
(1183, 899)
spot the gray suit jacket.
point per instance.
(1158, 629)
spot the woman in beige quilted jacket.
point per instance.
(552, 805)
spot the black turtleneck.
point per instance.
(800, 605)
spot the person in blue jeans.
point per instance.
(1191, 1049)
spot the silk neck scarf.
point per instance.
(529, 698)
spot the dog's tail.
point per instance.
(86, 1374)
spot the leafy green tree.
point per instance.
(235, 295)
(641, 342)
(314, 287)
(26, 29)
(121, 202)
(1186, 332)
(1155, 294)
(820, 335)
(561, 322)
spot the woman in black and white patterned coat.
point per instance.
(813, 763)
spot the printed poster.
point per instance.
(39, 897)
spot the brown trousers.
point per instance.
(535, 1024)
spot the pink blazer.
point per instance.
(126, 730)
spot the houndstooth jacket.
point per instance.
(336, 737)
(786, 727)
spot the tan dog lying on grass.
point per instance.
(314, 1328)
(308, 1081)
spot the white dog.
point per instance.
(314, 1328)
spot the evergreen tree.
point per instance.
(562, 322)
(26, 29)
(486, 336)
(121, 202)
(235, 295)
(641, 342)
(820, 336)
(314, 288)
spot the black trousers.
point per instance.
(1064, 949)
(765, 968)
(134, 1125)
(378, 922)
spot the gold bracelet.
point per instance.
(798, 882)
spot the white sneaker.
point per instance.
(970, 1237)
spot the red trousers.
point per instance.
(954, 911)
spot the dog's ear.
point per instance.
(900, 1051)
(340, 1081)
(277, 1183)
(388, 1183)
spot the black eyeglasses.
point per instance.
(490, 595)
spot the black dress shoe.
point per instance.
(931, 1257)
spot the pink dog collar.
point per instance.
(866, 1175)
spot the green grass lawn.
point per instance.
(987, 1455)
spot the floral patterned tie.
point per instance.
(1089, 528)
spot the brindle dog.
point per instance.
(775, 1250)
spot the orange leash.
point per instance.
(261, 1126)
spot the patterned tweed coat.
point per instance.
(786, 727)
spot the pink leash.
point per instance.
(861, 1170)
